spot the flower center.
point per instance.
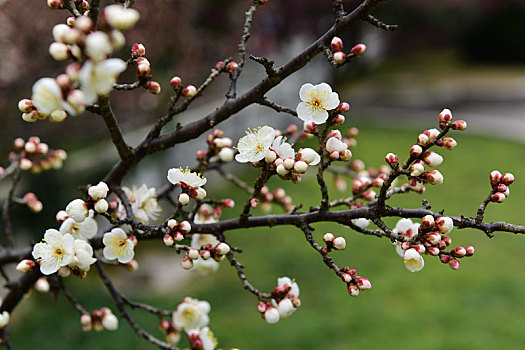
(59, 252)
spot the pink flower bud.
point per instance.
(25, 105)
(369, 195)
(469, 250)
(444, 258)
(42, 285)
(502, 188)
(460, 125)
(143, 70)
(446, 239)
(507, 179)
(231, 67)
(172, 224)
(444, 118)
(338, 120)
(498, 197)
(193, 253)
(337, 44)
(434, 177)
(186, 263)
(416, 185)
(176, 83)
(328, 237)
(25, 265)
(432, 159)
(310, 128)
(189, 91)
(35, 206)
(138, 50)
(345, 155)
(343, 108)
(427, 222)
(391, 159)
(358, 50)
(495, 178)
(339, 243)
(168, 240)
(363, 283)
(459, 252)
(433, 237)
(339, 57)
(205, 254)
(423, 139)
(448, 143)
(289, 163)
(454, 264)
(353, 290)
(152, 86)
(417, 169)
(444, 224)
(185, 227)
(178, 236)
(25, 164)
(415, 151)
(434, 251)
(346, 277)
(55, 4)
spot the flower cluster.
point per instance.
(219, 148)
(339, 57)
(143, 201)
(32, 202)
(285, 300)
(92, 74)
(354, 283)
(192, 316)
(277, 196)
(332, 242)
(500, 186)
(204, 247)
(190, 182)
(99, 320)
(35, 156)
(117, 245)
(98, 195)
(336, 148)
(143, 71)
(177, 231)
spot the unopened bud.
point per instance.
(328, 237)
(151, 86)
(495, 178)
(444, 224)
(339, 243)
(172, 224)
(193, 253)
(176, 83)
(168, 240)
(184, 199)
(138, 50)
(186, 263)
(460, 252)
(460, 125)
(469, 251)
(498, 197)
(231, 67)
(358, 50)
(339, 57)
(432, 159)
(417, 169)
(185, 227)
(454, 264)
(434, 177)
(353, 290)
(25, 265)
(507, 179)
(391, 159)
(189, 91)
(337, 44)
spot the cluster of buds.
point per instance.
(177, 231)
(336, 118)
(170, 330)
(332, 242)
(32, 202)
(339, 56)
(143, 69)
(277, 196)
(362, 184)
(354, 282)
(500, 186)
(207, 251)
(228, 67)
(189, 91)
(35, 156)
(99, 320)
(218, 146)
(285, 300)
(336, 147)
(97, 195)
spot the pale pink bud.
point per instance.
(363, 283)
(358, 50)
(444, 118)
(61, 216)
(338, 120)
(232, 66)
(339, 243)
(460, 125)
(310, 128)
(85, 321)
(18, 144)
(502, 188)
(328, 237)
(423, 139)
(343, 108)
(35, 206)
(138, 50)
(334, 155)
(168, 240)
(101, 206)
(42, 148)
(498, 197)
(495, 177)
(261, 307)
(340, 184)
(301, 167)
(193, 253)
(507, 179)
(222, 248)
(84, 23)
(59, 51)
(152, 86)
(281, 170)
(172, 224)
(448, 143)
(278, 162)
(416, 185)
(184, 199)
(434, 251)
(460, 252)
(25, 105)
(25, 265)
(433, 238)
(186, 263)
(391, 159)
(432, 159)
(444, 224)
(228, 203)
(185, 227)
(469, 251)
(42, 285)
(205, 254)
(176, 83)
(415, 151)
(337, 44)
(345, 155)
(55, 4)
(369, 195)
(353, 290)
(30, 147)
(271, 315)
(189, 91)
(434, 177)
(339, 57)
(417, 169)
(178, 236)
(254, 202)
(143, 70)
(454, 264)
(427, 222)
(289, 163)
(346, 277)
(336, 134)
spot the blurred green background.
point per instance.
(464, 55)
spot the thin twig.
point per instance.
(375, 22)
(71, 298)
(265, 102)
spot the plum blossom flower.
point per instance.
(335, 145)
(316, 101)
(282, 148)
(84, 230)
(186, 178)
(47, 97)
(98, 46)
(192, 314)
(77, 210)
(121, 18)
(55, 250)
(310, 156)
(406, 228)
(294, 286)
(83, 255)
(209, 342)
(413, 260)
(255, 145)
(143, 202)
(97, 78)
(118, 246)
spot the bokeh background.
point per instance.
(464, 55)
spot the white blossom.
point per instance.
(121, 18)
(118, 246)
(413, 260)
(282, 148)
(143, 202)
(406, 228)
(208, 339)
(54, 251)
(98, 46)
(310, 156)
(201, 266)
(110, 321)
(294, 286)
(192, 314)
(361, 222)
(97, 78)
(47, 97)
(254, 146)
(285, 308)
(271, 315)
(83, 255)
(84, 230)
(185, 178)
(316, 101)
(334, 144)
(77, 210)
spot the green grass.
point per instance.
(482, 306)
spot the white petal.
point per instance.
(304, 112)
(174, 176)
(333, 101)
(324, 88)
(320, 117)
(305, 91)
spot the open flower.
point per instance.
(282, 148)
(186, 178)
(97, 78)
(192, 314)
(209, 342)
(47, 97)
(335, 145)
(84, 230)
(55, 251)
(121, 18)
(143, 202)
(118, 246)
(255, 145)
(294, 286)
(406, 228)
(83, 255)
(316, 101)
(413, 260)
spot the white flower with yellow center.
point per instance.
(192, 314)
(186, 178)
(118, 246)
(255, 145)
(413, 260)
(316, 101)
(143, 202)
(209, 342)
(55, 250)
(47, 97)
(84, 230)
(97, 78)
(283, 148)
